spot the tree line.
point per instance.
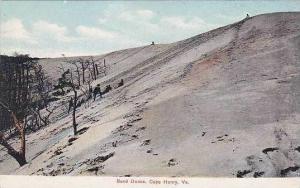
(24, 92)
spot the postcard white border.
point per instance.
(11, 181)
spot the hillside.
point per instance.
(225, 103)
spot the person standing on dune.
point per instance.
(96, 91)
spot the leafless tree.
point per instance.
(93, 68)
(42, 89)
(96, 67)
(16, 88)
(67, 80)
(84, 66)
(102, 68)
(86, 70)
(76, 64)
(19, 125)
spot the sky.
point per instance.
(73, 28)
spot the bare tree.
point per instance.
(67, 80)
(18, 155)
(94, 68)
(41, 95)
(84, 66)
(97, 70)
(16, 87)
(74, 87)
(70, 81)
(102, 68)
(75, 63)
(24, 92)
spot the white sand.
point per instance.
(205, 106)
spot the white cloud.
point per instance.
(123, 41)
(94, 33)
(184, 23)
(118, 29)
(102, 20)
(52, 39)
(130, 22)
(136, 15)
(47, 52)
(39, 31)
(147, 25)
(147, 14)
(44, 29)
(14, 29)
(229, 18)
(111, 40)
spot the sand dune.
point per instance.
(225, 103)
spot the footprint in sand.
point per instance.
(135, 120)
(289, 170)
(71, 140)
(267, 150)
(258, 174)
(135, 136)
(297, 148)
(242, 173)
(146, 142)
(255, 164)
(221, 138)
(172, 162)
(83, 130)
(57, 152)
(140, 129)
(114, 144)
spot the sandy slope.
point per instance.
(223, 103)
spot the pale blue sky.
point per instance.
(52, 28)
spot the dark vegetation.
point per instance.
(24, 92)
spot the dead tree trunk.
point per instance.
(18, 155)
(74, 111)
(83, 72)
(104, 67)
(78, 75)
(97, 71)
(94, 71)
